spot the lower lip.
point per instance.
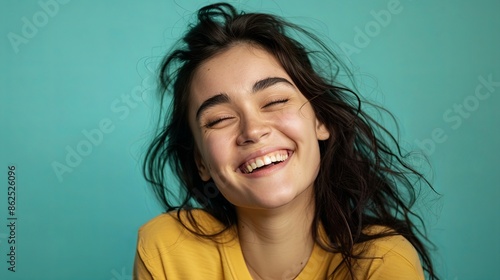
(269, 169)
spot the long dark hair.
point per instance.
(364, 178)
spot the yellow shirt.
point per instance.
(166, 250)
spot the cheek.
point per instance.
(296, 122)
(214, 154)
(306, 112)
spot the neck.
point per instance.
(277, 243)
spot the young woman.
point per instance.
(282, 174)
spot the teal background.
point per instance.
(92, 62)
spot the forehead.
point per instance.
(232, 72)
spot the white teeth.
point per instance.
(265, 160)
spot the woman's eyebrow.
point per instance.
(220, 98)
(270, 81)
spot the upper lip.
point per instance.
(259, 153)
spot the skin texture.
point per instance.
(257, 110)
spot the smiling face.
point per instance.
(256, 135)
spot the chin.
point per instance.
(273, 200)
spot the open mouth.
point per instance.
(265, 161)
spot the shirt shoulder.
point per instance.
(161, 231)
(168, 230)
(165, 246)
(391, 257)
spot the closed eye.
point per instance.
(275, 102)
(212, 123)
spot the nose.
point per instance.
(253, 129)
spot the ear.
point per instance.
(201, 165)
(322, 132)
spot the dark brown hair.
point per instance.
(364, 178)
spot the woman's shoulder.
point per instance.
(167, 229)
(389, 242)
(171, 243)
(391, 257)
(393, 243)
